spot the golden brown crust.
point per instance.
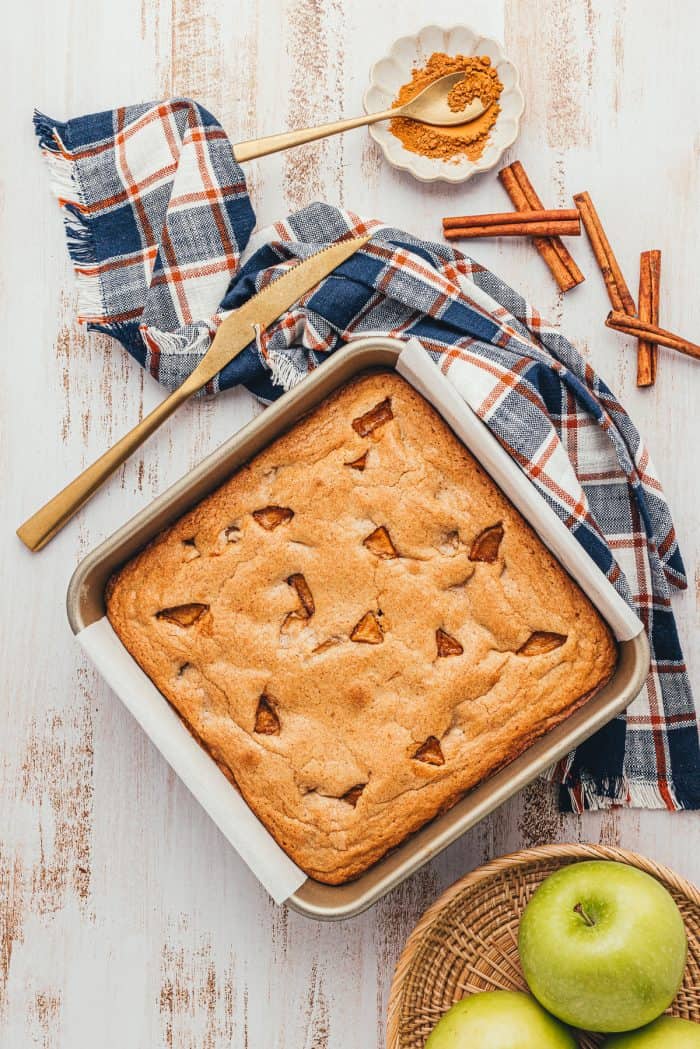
(306, 622)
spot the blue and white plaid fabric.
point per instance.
(157, 216)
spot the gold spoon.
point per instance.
(429, 107)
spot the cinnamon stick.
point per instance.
(512, 229)
(506, 217)
(651, 332)
(619, 294)
(552, 251)
(649, 279)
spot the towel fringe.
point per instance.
(592, 795)
(178, 342)
(283, 370)
(63, 179)
(649, 796)
(48, 131)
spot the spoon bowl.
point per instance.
(431, 106)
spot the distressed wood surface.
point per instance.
(125, 919)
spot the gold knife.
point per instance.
(233, 335)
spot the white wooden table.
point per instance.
(126, 921)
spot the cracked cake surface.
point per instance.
(359, 626)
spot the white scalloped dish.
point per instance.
(389, 74)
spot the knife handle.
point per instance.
(42, 526)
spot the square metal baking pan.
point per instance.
(86, 605)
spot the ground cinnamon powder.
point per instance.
(445, 143)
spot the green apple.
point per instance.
(499, 1020)
(668, 1032)
(603, 946)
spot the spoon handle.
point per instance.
(260, 147)
(50, 519)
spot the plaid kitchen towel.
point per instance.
(157, 216)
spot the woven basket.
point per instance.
(468, 940)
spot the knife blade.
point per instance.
(237, 330)
(233, 335)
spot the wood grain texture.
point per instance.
(125, 920)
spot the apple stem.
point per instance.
(586, 917)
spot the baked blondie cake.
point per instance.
(358, 626)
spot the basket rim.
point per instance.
(523, 857)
